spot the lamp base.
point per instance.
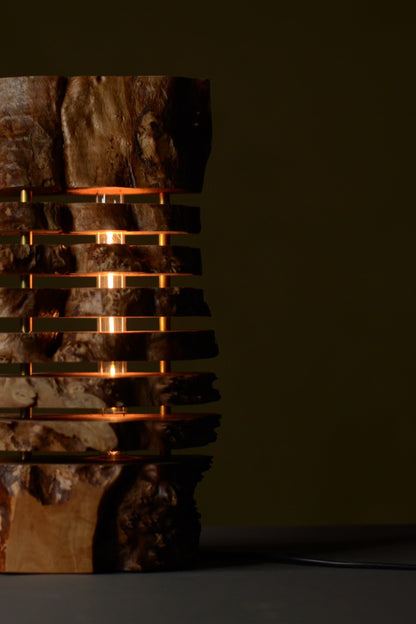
(99, 514)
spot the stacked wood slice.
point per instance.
(138, 133)
(89, 414)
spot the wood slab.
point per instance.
(91, 258)
(95, 302)
(125, 134)
(81, 218)
(31, 146)
(148, 132)
(151, 432)
(99, 391)
(106, 347)
(93, 516)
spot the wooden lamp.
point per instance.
(90, 300)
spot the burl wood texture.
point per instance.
(99, 517)
(150, 432)
(78, 218)
(114, 132)
(31, 142)
(136, 131)
(91, 258)
(93, 302)
(99, 392)
(96, 347)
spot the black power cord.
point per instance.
(253, 557)
(332, 563)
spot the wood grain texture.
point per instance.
(94, 302)
(102, 517)
(136, 131)
(97, 347)
(121, 132)
(145, 345)
(31, 143)
(78, 218)
(75, 495)
(98, 392)
(91, 258)
(157, 433)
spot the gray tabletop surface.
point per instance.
(238, 580)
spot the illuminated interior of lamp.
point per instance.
(111, 324)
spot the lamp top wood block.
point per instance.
(112, 134)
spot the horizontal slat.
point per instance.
(95, 347)
(145, 345)
(158, 434)
(93, 302)
(88, 218)
(100, 392)
(96, 459)
(91, 259)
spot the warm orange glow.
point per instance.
(163, 323)
(113, 454)
(113, 369)
(126, 273)
(111, 324)
(122, 190)
(111, 280)
(132, 331)
(99, 374)
(164, 282)
(108, 280)
(110, 238)
(61, 232)
(164, 366)
(120, 416)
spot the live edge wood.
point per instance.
(75, 496)
(152, 432)
(100, 392)
(121, 132)
(91, 258)
(96, 347)
(94, 302)
(78, 218)
(99, 517)
(136, 131)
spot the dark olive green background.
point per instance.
(308, 235)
